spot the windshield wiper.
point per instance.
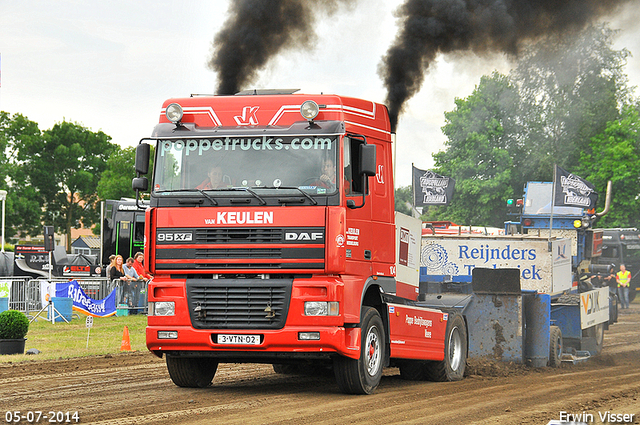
(262, 201)
(309, 197)
(245, 189)
(183, 201)
(213, 201)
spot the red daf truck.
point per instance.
(272, 238)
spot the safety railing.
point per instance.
(27, 294)
(17, 290)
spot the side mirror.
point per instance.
(368, 160)
(367, 169)
(140, 184)
(142, 158)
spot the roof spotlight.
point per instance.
(174, 113)
(309, 110)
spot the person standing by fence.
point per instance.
(137, 264)
(108, 268)
(624, 280)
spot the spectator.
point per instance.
(111, 258)
(129, 270)
(117, 271)
(137, 264)
(623, 277)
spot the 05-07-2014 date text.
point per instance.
(36, 416)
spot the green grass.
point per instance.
(65, 340)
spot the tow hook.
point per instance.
(270, 313)
(200, 313)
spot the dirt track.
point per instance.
(135, 388)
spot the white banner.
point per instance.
(594, 307)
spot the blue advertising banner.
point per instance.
(82, 303)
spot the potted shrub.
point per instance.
(14, 326)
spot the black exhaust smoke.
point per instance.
(259, 29)
(429, 27)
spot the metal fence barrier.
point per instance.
(18, 292)
(25, 292)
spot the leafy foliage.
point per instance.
(561, 105)
(615, 155)
(13, 324)
(403, 196)
(22, 204)
(480, 152)
(64, 166)
(115, 182)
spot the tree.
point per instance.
(512, 129)
(479, 153)
(115, 182)
(23, 206)
(64, 166)
(615, 155)
(570, 88)
(403, 195)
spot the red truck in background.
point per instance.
(272, 238)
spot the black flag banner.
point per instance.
(430, 188)
(573, 191)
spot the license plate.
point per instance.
(239, 339)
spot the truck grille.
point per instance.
(238, 235)
(238, 303)
(287, 249)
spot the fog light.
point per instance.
(167, 334)
(164, 308)
(309, 336)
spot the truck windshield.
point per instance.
(305, 163)
(538, 201)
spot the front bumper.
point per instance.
(274, 344)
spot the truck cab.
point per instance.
(271, 236)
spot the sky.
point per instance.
(109, 65)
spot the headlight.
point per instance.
(309, 110)
(163, 308)
(174, 112)
(321, 308)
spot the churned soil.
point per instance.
(134, 388)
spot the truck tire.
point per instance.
(362, 375)
(555, 346)
(613, 308)
(191, 372)
(455, 353)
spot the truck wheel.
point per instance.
(613, 308)
(363, 375)
(191, 372)
(455, 353)
(555, 346)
